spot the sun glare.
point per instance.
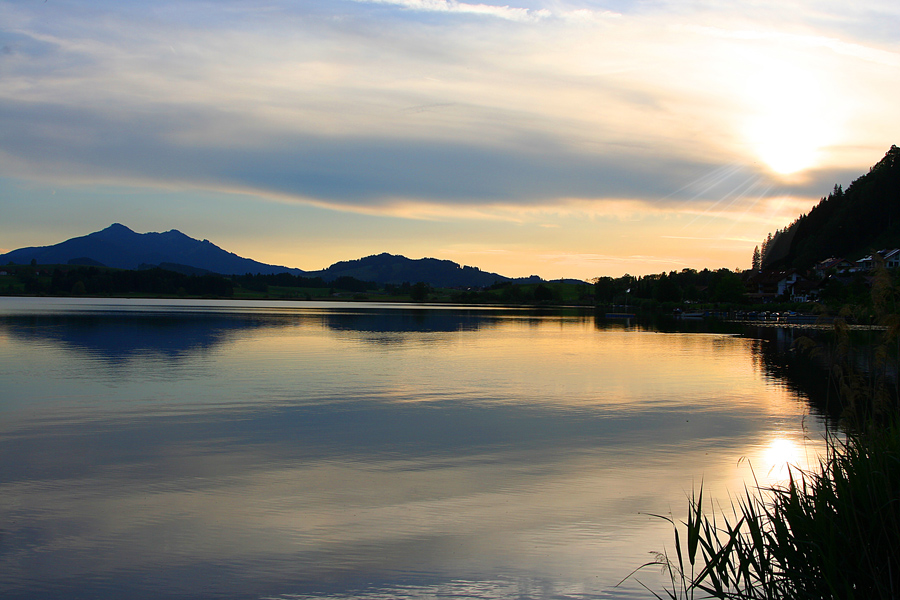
(790, 124)
(787, 143)
(779, 456)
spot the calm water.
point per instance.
(166, 449)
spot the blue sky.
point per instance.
(563, 139)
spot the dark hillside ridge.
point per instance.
(389, 268)
(847, 224)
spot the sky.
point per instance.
(555, 138)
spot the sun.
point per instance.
(787, 141)
(789, 124)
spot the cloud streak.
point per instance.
(509, 13)
(349, 172)
(451, 6)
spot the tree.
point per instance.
(727, 287)
(757, 259)
(604, 289)
(543, 294)
(419, 292)
(667, 289)
(766, 246)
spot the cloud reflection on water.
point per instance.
(285, 454)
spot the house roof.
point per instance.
(830, 263)
(885, 254)
(764, 277)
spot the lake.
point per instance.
(288, 450)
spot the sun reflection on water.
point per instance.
(779, 456)
(783, 457)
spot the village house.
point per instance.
(891, 260)
(766, 286)
(831, 266)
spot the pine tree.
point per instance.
(766, 245)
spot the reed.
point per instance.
(832, 532)
(829, 533)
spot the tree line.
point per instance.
(687, 285)
(80, 281)
(156, 281)
(259, 282)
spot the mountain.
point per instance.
(389, 268)
(847, 223)
(120, 247)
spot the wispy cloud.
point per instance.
(509, 13)
(839, 46)
(451, 6)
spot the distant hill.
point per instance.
(120, 247)
(847, 224)
(390, 268)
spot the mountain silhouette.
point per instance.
(390, 268)
(119, 247)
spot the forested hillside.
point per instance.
(848, 223)
(395, 269)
